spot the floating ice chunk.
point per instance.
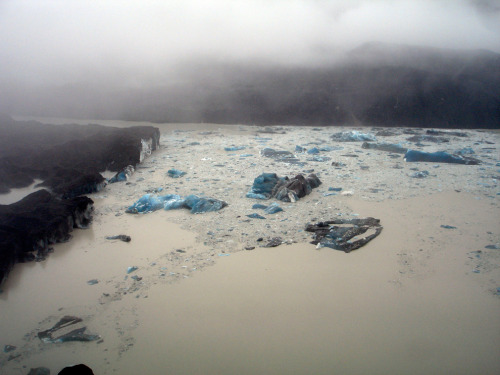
(438, 157)
(234, 148)
(353, 136)
(175, 173)
(152, 202)
(263, 185)
(200, 205)
(147, 203)
(273, 208)
(123, 175)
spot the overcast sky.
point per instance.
(75, 40)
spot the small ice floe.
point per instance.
(132, 269)
(175, 173)
(123, 175)
(61, 326)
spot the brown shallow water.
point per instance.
(291, 309)
(406, 303)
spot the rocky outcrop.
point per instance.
(29, 227)
(80, 369)
(68, 159)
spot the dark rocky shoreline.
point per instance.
(69, 160)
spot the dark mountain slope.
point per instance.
(376, 84)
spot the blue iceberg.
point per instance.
(273, 208)
(269, 185)
(255, 216)
(146, 203)
(152, 202)
(438, 157)
(234, 148)
(263, 185)
(258, 206)
(313, 151)
(175, 173)
(123, 175)
(199, 205)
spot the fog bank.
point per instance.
(139, 43)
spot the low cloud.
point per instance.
(142, 42)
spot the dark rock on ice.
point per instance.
(427, 138)
(438, 157)
(80, 369)
(37, 221)
(9, 348)
(273, 242)
(70, 183)
(449, 133)
(271, 153)
(281, 156)
(290, 190)
(344, 234)
(122, 237)
(69, 158)
(386, 133)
